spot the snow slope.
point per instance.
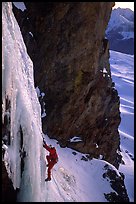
(122, 68)
(76, 180)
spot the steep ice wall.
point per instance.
(21, 113)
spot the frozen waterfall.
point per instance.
(21, 108)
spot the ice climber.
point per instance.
(52, 158)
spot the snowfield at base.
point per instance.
(76, 180)
(122, 69)
(73, 178)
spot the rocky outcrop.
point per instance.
(8, 192)
(117, 184)
(66, 42)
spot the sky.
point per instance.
(74, 177)
(124, 5)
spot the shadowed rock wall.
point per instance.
(69, 52)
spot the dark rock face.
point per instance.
(117, 184)
(69, 52)
(8, 192)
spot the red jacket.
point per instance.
(53, 154)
